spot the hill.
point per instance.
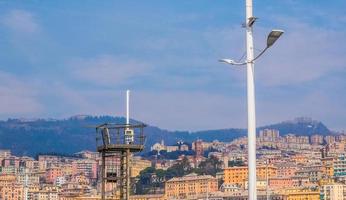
(300, 126)
(67, 136)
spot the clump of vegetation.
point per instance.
(151, 179)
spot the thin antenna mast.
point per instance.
(127, 107)
(129, 133)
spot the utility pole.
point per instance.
(251, 102)
(251, 110)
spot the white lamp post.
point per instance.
(272, 37)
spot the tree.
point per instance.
(180, 169)
(149, 179)
(234, 163)
(210, 166)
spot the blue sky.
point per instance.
(62, 58)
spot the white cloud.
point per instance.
(17, 98)
(304, 53)
(21, 21)
(107, 70)
(188, 110)
(317, 104)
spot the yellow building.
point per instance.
(300, 158)
(260, 184)
(12, 192)
(76, 197)
(7, 180)
(80, 179)
(328, 166)
(333, 191)
(239, 175)
(67, 169)
(132, 197)
(301, 194)
(45, 195)
(33, 178)
(326, 181)
(137, 165)
(190, 186)
(148, 197)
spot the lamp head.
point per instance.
(251, 21)
(227, 61)
(273, 36)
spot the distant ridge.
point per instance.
(67, 136)
(300, 126)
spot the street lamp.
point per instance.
(273, 36)
(271, 39)
(251, 121)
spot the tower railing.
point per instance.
(116, 143)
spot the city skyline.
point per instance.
(288, 166)
(68, 58)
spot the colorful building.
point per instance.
(52, 174)
(190, 186)
(333, 191)
(12, 192)
(301, 194)
(340, 167)
(238, 175)
(328, 166)
(197, 146)
(280, 182)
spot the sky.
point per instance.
(64, 58)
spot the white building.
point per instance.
(60, 180)
(334, 191)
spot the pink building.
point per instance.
(11, 161)
(286, 169)
(280, 182)
(197, 146)
(52, 174)
(85, 166)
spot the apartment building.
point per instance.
(190, 186)
(238, 175)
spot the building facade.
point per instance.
(190, 186)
